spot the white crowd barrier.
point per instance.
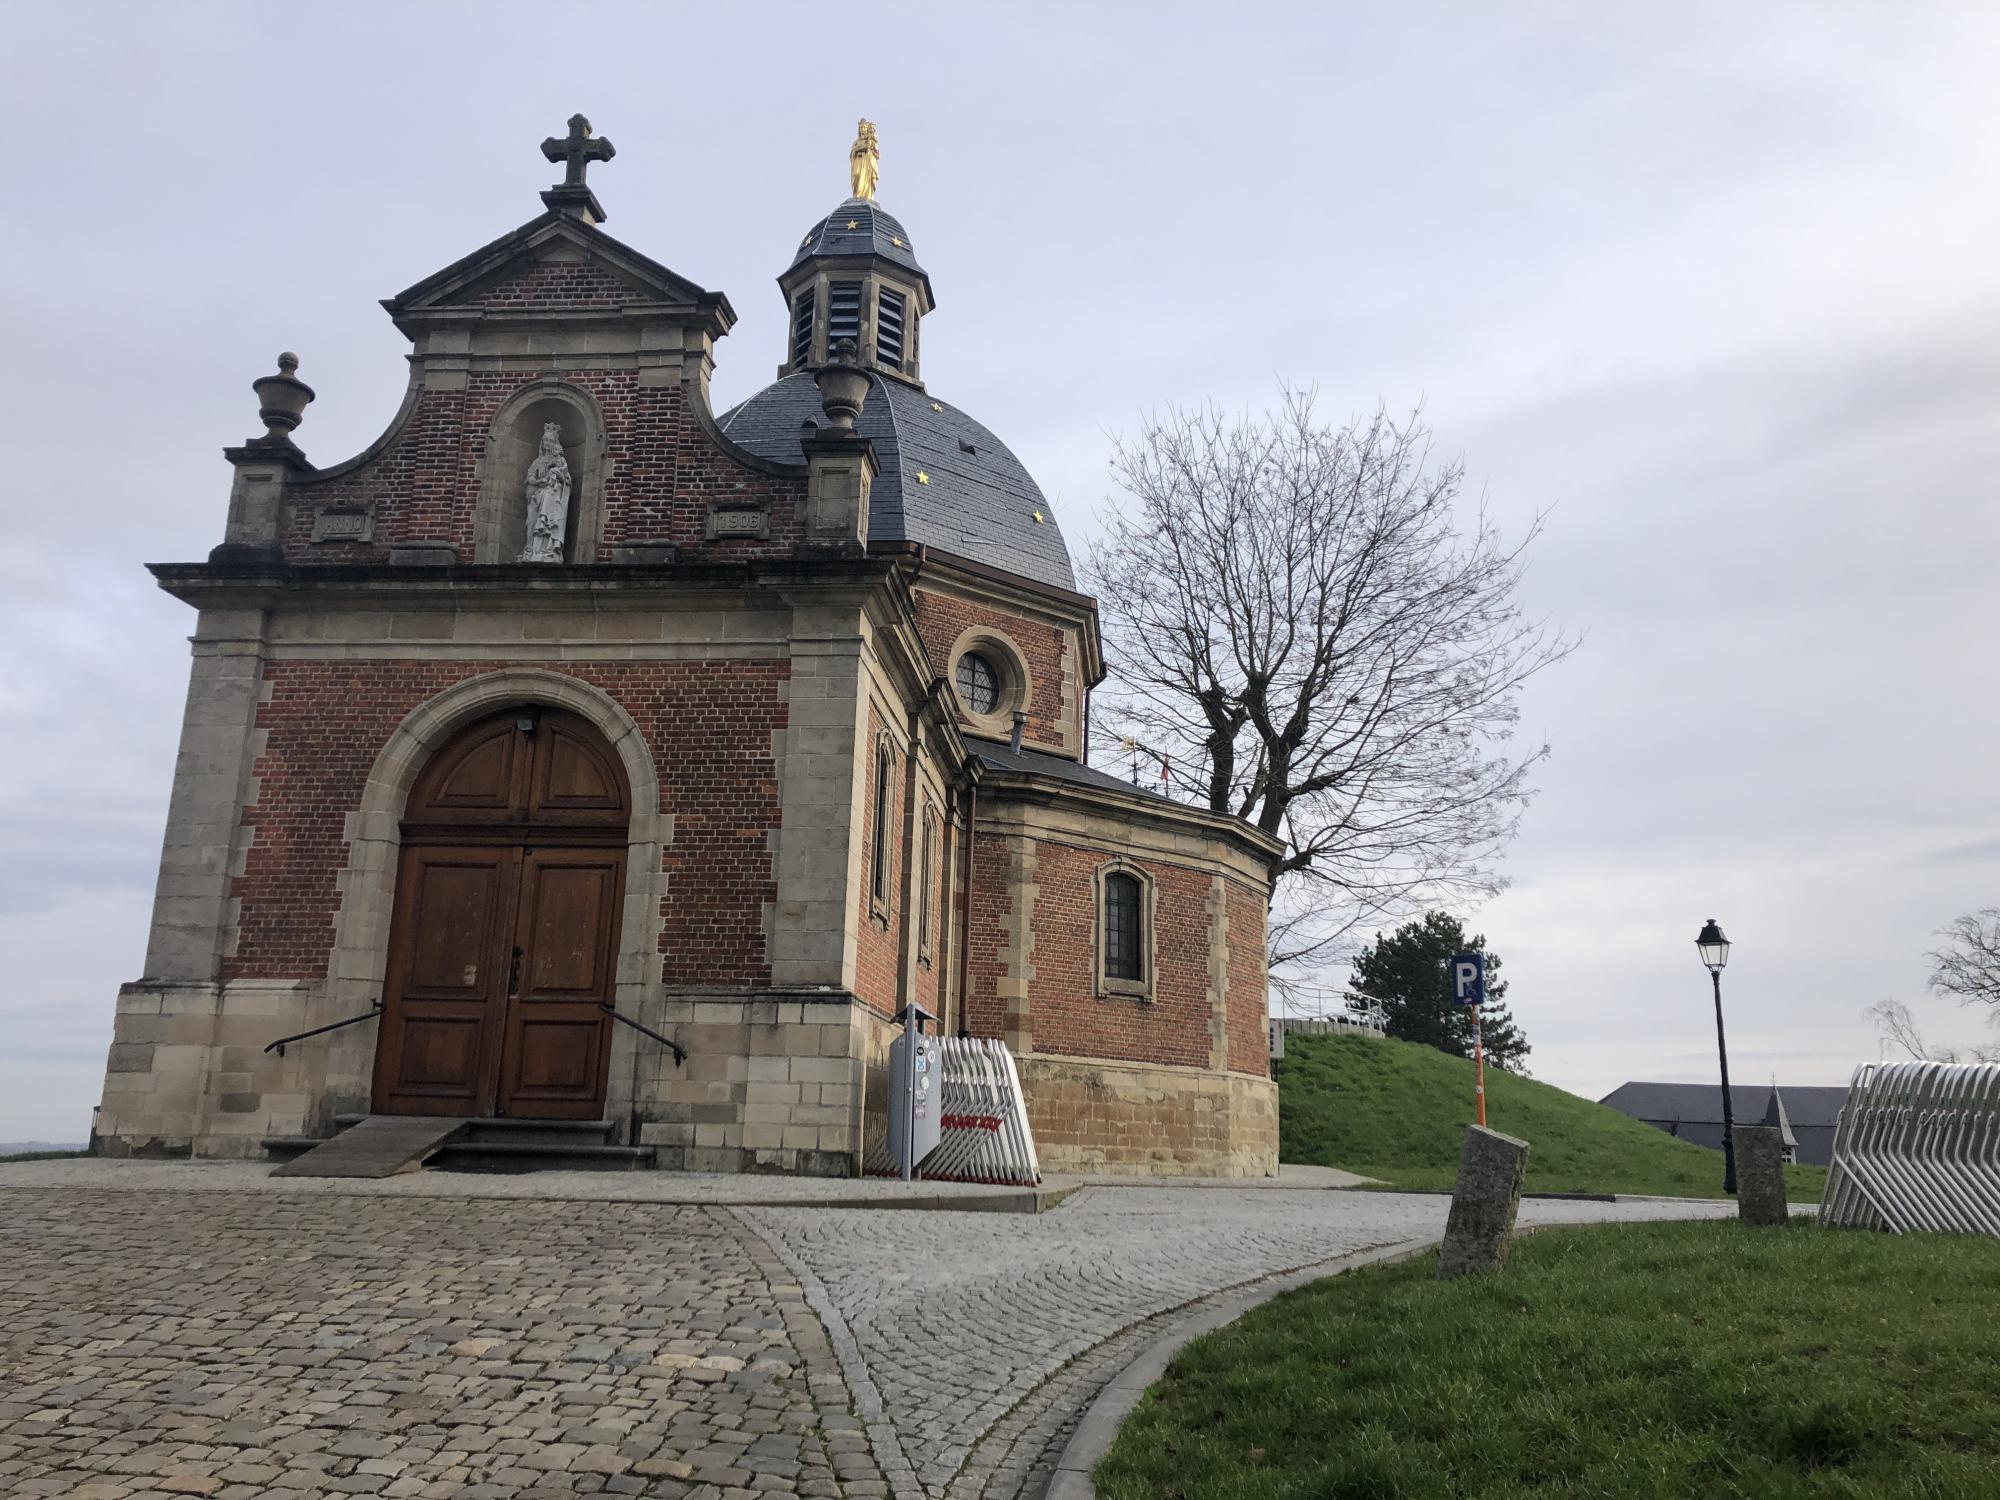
(986, 1135)
(1917, 1148)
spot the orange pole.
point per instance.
(1479, 1065)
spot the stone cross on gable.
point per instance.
(576, 151)
(579, 149)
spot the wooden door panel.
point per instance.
(447, 979)
(480, 779)
(439, 1053)
(573, 777)
(451, 939)
(563, 927)
(558, 1046)
(558, 1057)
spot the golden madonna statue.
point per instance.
(864, 161)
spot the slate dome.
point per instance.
(946, 482)
(859, 227)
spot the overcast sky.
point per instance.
(1718, 283)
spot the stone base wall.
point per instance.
(1141, 1119)
(770, 1084)
(188, 1075)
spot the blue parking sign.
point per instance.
(1468, 978)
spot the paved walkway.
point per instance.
(165, 1331)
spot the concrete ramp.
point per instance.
(379, 1146)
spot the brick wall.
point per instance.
(1248, 1001)
(663, 473)
(553, 284)
(942, 618)
(1067, 1014)
(993, 903)
(1172, 1027)
(710, 726)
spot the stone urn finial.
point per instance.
(843, 384)
(282, 397)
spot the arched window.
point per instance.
(926, 880)
(1122, 958)
(1124, 932)
(885, 787)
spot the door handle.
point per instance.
(514, 976)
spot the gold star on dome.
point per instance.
(896, 242)
(805, 242)
(1037, 515)
(937, 406)
(853, 223)
(922, 477)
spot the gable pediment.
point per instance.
(554, 264)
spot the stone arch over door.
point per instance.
(499, 527)
(367, 883)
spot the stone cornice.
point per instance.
(268, 583)
(1131, 824)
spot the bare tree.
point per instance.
(1967, 965)
(1299, 612)
(1896, 1024)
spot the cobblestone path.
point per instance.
(973, 1342)
(240, 1345)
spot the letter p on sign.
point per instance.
(1468, 978)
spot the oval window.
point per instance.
(978, 683)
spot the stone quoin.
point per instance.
(778, 727)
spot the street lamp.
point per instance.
(1714, 950)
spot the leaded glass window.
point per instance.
(1122, 959)
(978, 683)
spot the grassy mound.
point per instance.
(1398, 1111)
(1664, 1361)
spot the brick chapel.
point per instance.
(569, 702)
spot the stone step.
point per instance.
(498, 1145)
(539, 1156)
(540, 1132)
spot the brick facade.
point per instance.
(710, 732)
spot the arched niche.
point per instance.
(512, 442)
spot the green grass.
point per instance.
(41, 1156)
(1398, 1111)
(1656, 1361)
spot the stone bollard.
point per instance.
(1760, 1175)
(1484, 1203)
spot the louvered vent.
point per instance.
(889, 328)
(843, 313)
(802, 329)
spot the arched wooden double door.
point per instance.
(503, 948)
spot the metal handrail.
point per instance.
(680, 1052)
(284, 1041)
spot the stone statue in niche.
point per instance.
(547, 488)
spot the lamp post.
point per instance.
(1714, 950)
